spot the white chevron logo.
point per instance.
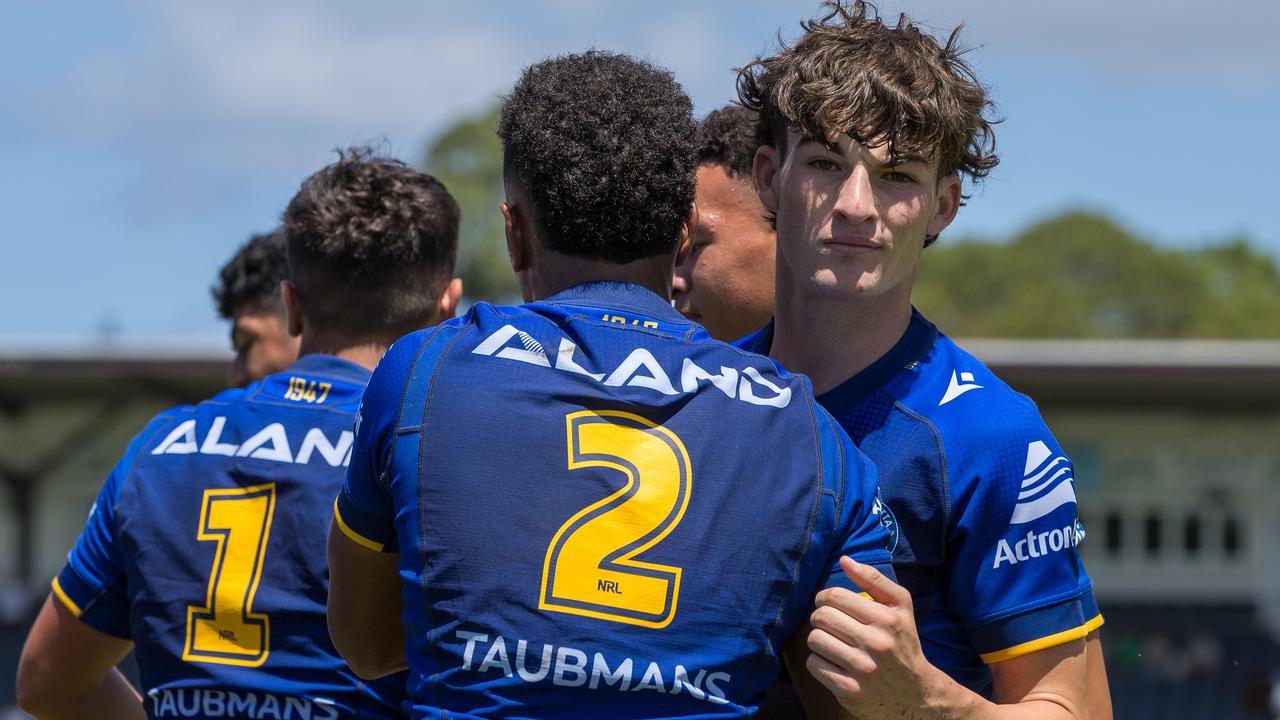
(1047, 484)
(956, 389)
(532, 352)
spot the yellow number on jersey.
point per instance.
(303, 389)
(225, 631)
(590, 567)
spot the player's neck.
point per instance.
(563, 272)
(365, 352)
(833, 340)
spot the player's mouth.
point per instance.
(848, 245)
(684, 307)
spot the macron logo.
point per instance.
(959, 386)
(1046, 484)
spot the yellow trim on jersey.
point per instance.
(355, 537)
(1048, 641)
(1094, 624)
(66, 599)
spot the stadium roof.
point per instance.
(1239, 374)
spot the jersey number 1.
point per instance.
(590, 567)
(224, 631)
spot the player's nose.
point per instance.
(856, 199)
(679, 281)
(237, 373)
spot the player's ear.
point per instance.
(448, 305)
(946, 204)
(292, 308)
(517, 237)
(686, 235)
(764, 171)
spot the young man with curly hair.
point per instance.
(867, 130)
(725, 282)
(543, 516)
(201, 551)
(248, 296)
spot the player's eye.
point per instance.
(821, 163)
(897, 176)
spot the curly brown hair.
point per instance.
(371, 244)
(852, 74)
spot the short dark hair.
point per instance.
(728, 138)
(250, 281)
(371, 244)
(604, 148)
(852, 74)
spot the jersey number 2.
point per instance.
(590, 567)
(224, 631)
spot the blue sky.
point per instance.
(144, 141)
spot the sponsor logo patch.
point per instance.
(888, 522)
(1047, 484)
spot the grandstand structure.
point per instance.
(1176, 447)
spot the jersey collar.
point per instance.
(613, 295)
(914, 345)
(911, 348)
(331, 366)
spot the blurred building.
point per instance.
(1176, 446)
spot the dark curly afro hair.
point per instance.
(604, 148)
(728, 138)
(250, 281)
(371, 244)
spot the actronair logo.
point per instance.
(1046, 485)
(1036, 544)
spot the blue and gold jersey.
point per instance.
(980, 499)
(206, 547)
(600, 511)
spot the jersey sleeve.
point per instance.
(852, 478)
(92, 585)
(364, 510)
(1016, 577)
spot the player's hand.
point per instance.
(867, 651)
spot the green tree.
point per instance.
(1082, 275)
(1244, 291)
(467, 158)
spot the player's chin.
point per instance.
(842, 282)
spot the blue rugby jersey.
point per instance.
(980, 498)
(600, 511)
(206, 547)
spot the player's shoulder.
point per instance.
(987, 431)
(397, 366)
(969, 406)
(160, 425)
